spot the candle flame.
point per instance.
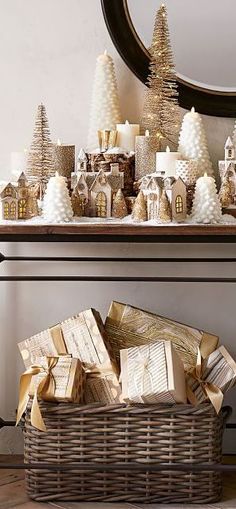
(205, 174)
(105, 52)
(58, 142)
(56, 174)
(126, 122)
(193, 110)
(167, 149)
(25, 150)
(147, 132)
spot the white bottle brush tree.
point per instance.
(57, 203)
(105, 107)
(193, 142)
(206, 203)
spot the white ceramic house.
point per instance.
(96, 190)
(152, 188)
(177, 195)
(229, 150)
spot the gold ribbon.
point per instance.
(211, 390)
(45, 390)
(98, 370)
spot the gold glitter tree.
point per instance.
(226, 193)
(139, 212)
(164, 210)
(40, 163)
(119, 207)
(161, 111)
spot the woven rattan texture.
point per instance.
(117, 435)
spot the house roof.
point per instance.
(229, 142)
(114, 181)
(9, 185)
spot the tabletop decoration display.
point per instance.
(136, 357)
(124, 176)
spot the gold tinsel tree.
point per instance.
(161, 111)
(40, 163)
(119, 207)
(164, 209)
(139, 212)
(226, 193)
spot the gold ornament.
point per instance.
(161, 111)
(139, 212)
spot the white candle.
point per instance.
(18, 162)
(206, 204)
(166, 162)
(126, 134)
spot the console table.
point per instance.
(125, 233)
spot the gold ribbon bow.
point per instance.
(98, 370)
(211, 390)
(45, 390)
(142, 362)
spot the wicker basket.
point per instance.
(117, 435)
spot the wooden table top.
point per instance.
(115, 232)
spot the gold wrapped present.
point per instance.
(53, 379)
(127, 326)
(152, 373)
(83, 336)
(211, 378)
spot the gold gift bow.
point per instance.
(96, 370)
(211, 390)
(143, 363)
(45, 389)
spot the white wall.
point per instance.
(47, 53)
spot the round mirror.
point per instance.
(202, 37)
(204, 50)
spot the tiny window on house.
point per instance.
(9, 191)
(179, 206)
(229, 152)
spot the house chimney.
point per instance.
(114, 168)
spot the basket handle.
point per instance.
(226, 411)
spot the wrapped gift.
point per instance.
(83, 336)
(48, 343)
(127, 327)
(211, 378)
(52, 379)
(152, 373)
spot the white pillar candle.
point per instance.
(166, 161)
(18, 162)
(126, 134)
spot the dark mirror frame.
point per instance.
(136, 56)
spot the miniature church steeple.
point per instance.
(229, 149)
(82, 161)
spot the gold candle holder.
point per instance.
(145, 155)
(106, 139)
(64, 159)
